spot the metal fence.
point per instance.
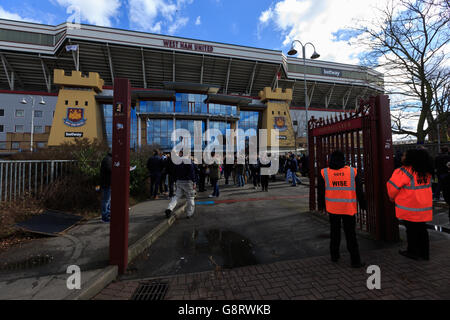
(21, 177)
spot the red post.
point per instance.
(120, 180)
(386, 167)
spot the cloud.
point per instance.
(14, 16)
(321, 22)
(198, 21)
(97, 12)
(158, 15)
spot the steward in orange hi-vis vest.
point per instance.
(412, 195)
(340, 190)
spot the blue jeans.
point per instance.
(295, 179)
(215, 183)
(106, 203)
(241, 180)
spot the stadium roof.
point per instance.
(29, 52)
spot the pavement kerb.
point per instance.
(110, 273)
(147, 240)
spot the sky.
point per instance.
(256, 23)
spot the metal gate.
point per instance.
(365, 137)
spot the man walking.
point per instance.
(105, 183)
(214, 174)
(185, 181)
(155, 166)
(343, 189)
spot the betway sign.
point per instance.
(331, 72)
(187, 46)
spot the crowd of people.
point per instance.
(163, 174)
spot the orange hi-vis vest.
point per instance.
(340, 190)
(413, 197)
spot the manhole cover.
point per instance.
(32, 262)
(151, 291)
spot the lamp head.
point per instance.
(315, 55)
(23, 101)
(292, 51)
(42, 102)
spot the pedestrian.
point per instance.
(227, 172)
(340, 190)
(264, 176)
(202, 177)
(105, 184)
(155, 166)
(255, 172)
(170, 169)
(214, 175)
(441, 170)
(186, 184)
(240, 171)
(410, 189)
(293, 169)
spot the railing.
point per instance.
(29, 176)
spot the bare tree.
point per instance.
(409, 42)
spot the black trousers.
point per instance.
(418, 240)
(265, 182)
(349, 223)
(155, 180)
(256, 179)
(201, 183)
(171, 185)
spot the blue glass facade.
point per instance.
(249, 120)
(187, 103)
(159, 131)
(108, 116)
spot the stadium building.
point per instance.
(56, 84)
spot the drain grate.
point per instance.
(151, 291)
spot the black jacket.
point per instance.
(441, 163)
(155, 165)
(185, 172)
(359, 187)
(105, 171)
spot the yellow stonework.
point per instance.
(278, 116)
(85, 117)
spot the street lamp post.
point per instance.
(315, 55)
(24, 101)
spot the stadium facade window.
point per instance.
(20, 113)
(2, 112)
(38, 114)
(108, 116)
(15, 145)
(3, 146)
(26, 37)
(19, 128)
(38, 129)
(2, 128)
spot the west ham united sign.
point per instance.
(75, 117)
